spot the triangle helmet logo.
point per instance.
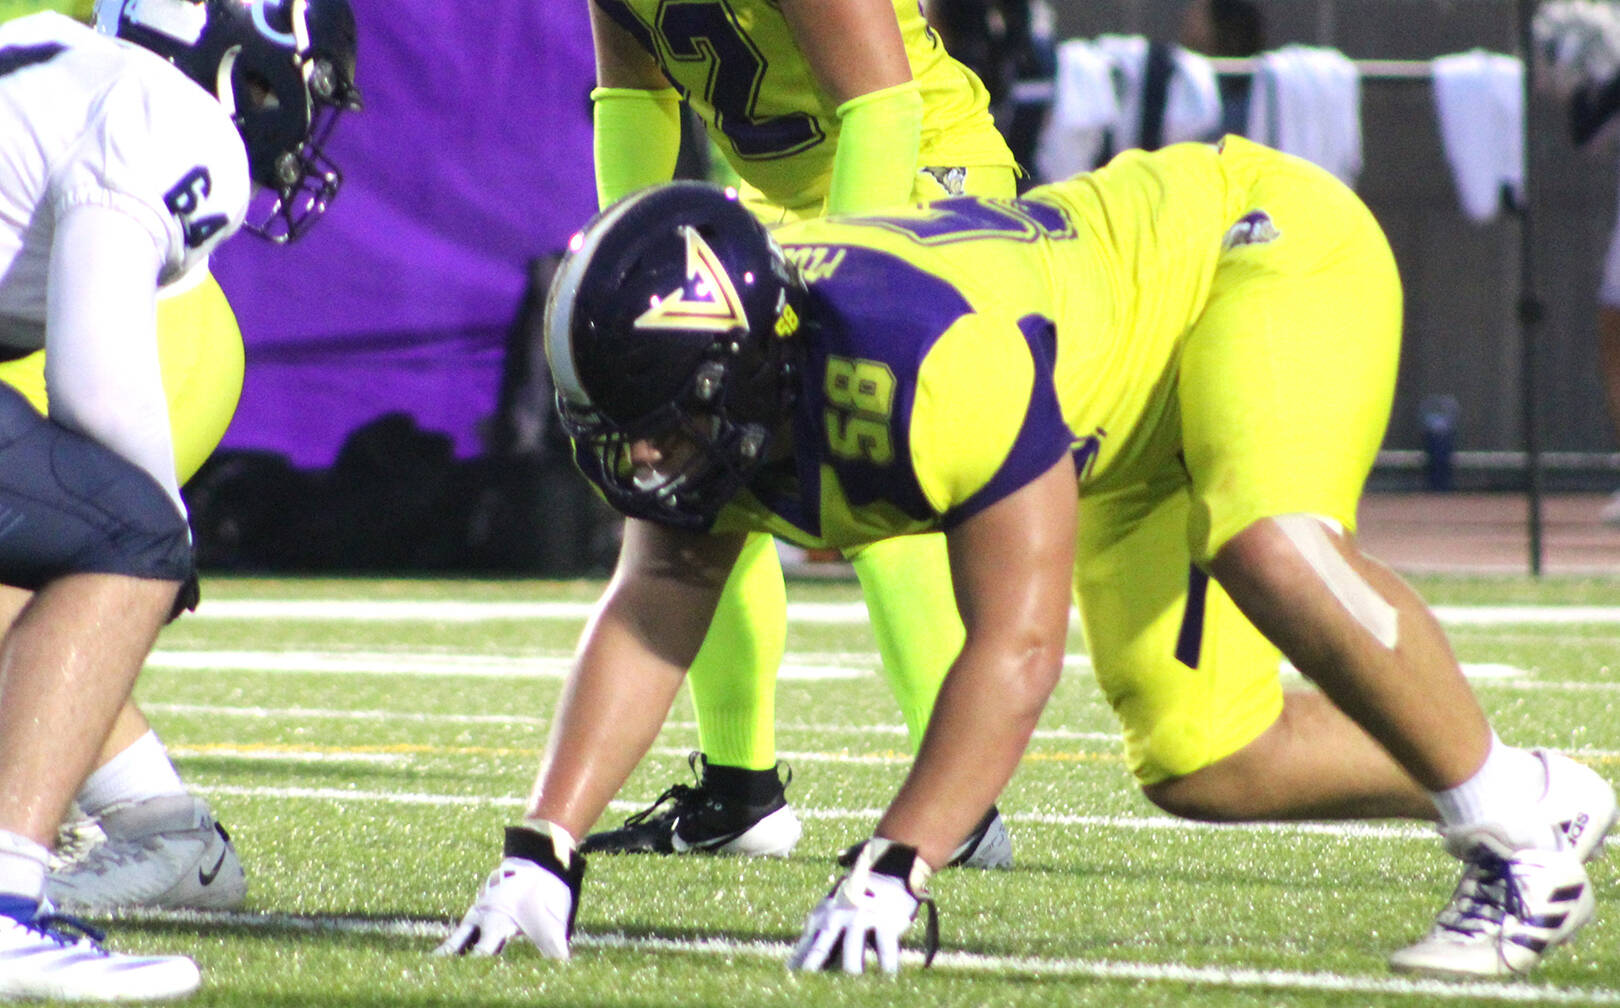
(707, 301)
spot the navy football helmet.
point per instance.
(283, 69)
(671, 318)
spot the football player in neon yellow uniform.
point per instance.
(1171, 372)
(841, 107)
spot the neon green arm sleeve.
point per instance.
(636, 137)
(875, 166)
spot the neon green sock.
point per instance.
(733, 678)
(907, 582)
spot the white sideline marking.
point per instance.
(1237, 978)
(464, 611)
(393, 663)
(531, 721)
(1356, 830)
(823, 668)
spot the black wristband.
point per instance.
(896, 862)
(531, 845)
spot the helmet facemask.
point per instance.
(710, 454)
(304, 179)
(286, 111)
(282, 69)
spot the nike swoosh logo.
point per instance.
(207, 877)
(682, 845)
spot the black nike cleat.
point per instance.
(730, 811)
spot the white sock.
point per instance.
(1505, 793)
(141, 771)
(22, 866)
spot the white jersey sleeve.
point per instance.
(162, 151)
(118, 175)
(87, 120)
(109, 389)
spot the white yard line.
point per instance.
(539, 721)
(895, 731)
(1043, 971)
(807, 668)
(556, 666)
(477, 666)
(1356, 830)
(467, 611)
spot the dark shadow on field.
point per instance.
(362, 927)
(1160, 874)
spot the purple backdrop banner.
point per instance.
(473, 155)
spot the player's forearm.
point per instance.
(636, 138)
(102, 371)
(875, 166)
(614, 703)
(984, 716)
(1010, 566)
(631, 660)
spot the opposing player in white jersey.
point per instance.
(123, 162)
(135, 836)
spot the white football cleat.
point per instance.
(166, 852)
(988, 846)
(1511, 908)
(49, 958)
(76, 837)
(709, 818)
(1579, 802)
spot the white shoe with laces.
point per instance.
(76, 837)
(167, 852)
(54, 958)
(1512, 907)
(988, 846)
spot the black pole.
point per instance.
(1531, 310)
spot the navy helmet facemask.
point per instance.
(283, 69)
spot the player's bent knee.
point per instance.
(1262, 554)
(1223, 791)
(1195, 796)
(142, 534)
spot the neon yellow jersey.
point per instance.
(736, 62)
(960, 350)
(81, 10)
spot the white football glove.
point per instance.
(871, 907)
(534, 890)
